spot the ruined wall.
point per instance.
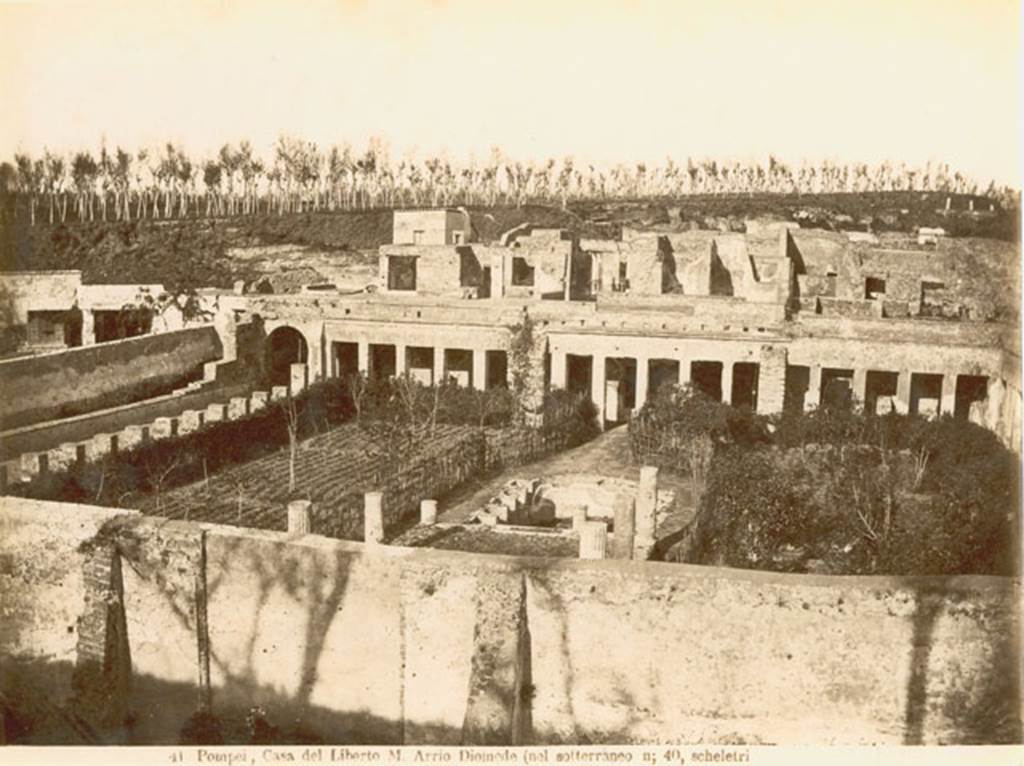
(82, 379)
(357, 643)
(39, 291)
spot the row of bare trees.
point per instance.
(302, 176)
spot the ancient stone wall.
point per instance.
(369, 643)
(78, 380)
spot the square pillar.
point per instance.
(860, 386)
(612, 400)
(597, 387)
(438, 365)
(727, 382)
(947, 405)
(684, 372)
(813, 399)
(902, 402)
(642, 381)
(479, 368)
(88, 328)
(400, 354)
(364, 357)
(559, 375)
(298, 378)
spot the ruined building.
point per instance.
(777, 317)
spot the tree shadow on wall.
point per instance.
(987, 711)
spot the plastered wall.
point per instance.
(378, 644)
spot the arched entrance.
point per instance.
(285, 346)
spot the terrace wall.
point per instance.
(78, 380)
(357, 643)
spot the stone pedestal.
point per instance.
(428, 512)
(300, 517)
(373, 517)
(646, 504)
(625, 521)
(593, 540)
(579, 518)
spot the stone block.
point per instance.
(593, 540)
(238, 407)
(31, 465)
(216, 413)
(277, 393)
(258, 400)
(162, 428)
(99, 446)
(62, 458)
(189, 421)
(130, 437)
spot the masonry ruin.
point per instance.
(772, 319)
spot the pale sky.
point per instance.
(601, 80)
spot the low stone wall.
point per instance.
(79, 380)
(149, 421)
(374, 644)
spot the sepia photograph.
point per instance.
(478, 381)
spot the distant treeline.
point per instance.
(300, 176)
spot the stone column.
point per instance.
(947, 406)
(400, 354)
(647, 504)
(860, 386)
(597, 387)
(813, 398)
(479, 369)
(625, 527)
(88, 327)
(428, 511)
(593, 540)
(727, 382)
(298, 378)
(559, 375)
(373, 517)
(363, 354)
(300, 517)
(438, 365)
(642, 380)
(902, 401)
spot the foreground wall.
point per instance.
(354, 643)
(64, 383)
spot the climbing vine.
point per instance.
(522, 351)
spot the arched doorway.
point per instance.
(285, 346)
